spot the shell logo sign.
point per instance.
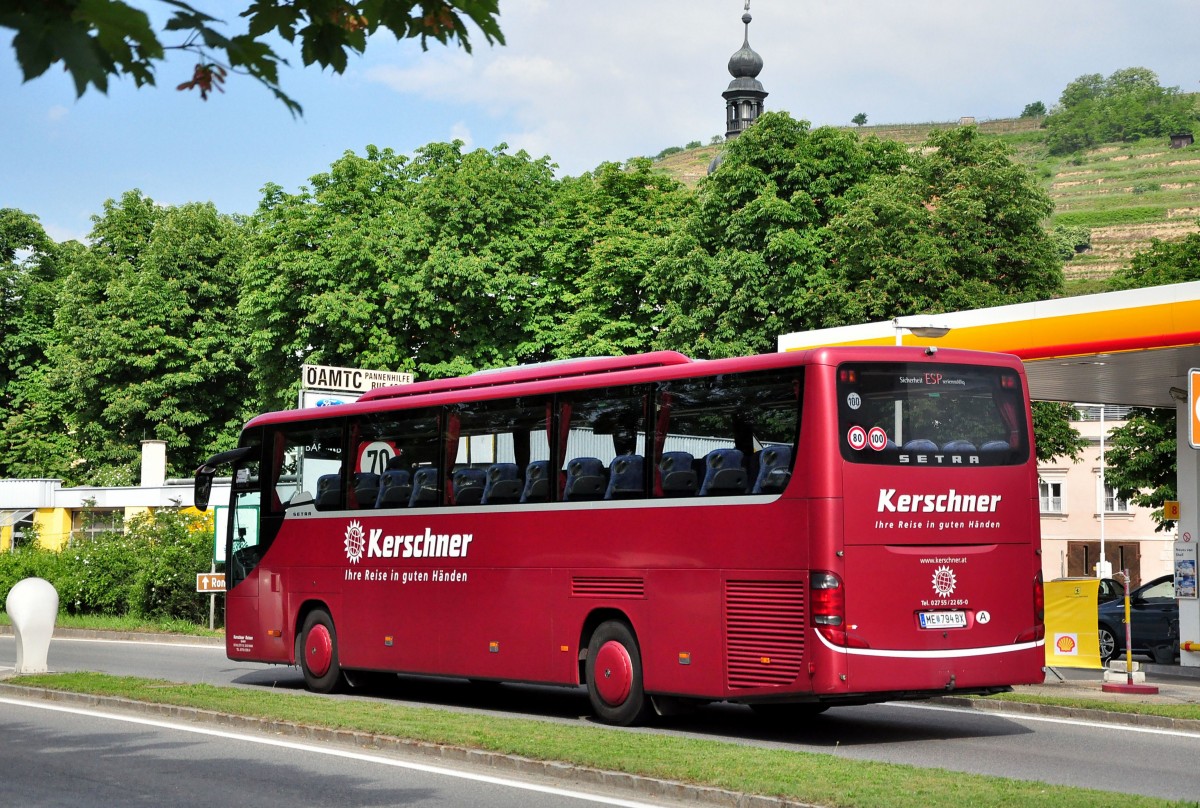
(1071, 623)
(1194, 406)
(1066, 644)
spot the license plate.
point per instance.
(943, 619)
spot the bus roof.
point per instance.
(541, 371)
(638, 369)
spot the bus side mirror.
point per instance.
(204, 481)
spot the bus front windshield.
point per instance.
(897, 413)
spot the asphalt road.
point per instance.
(62, 756)
(1058, 751)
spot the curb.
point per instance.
(124, 636)
(645, 787)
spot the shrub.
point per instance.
(1071, 239)
(149, 571)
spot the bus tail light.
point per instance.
(1039, 606)
(827, 601)
(1037, 632)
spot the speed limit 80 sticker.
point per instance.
(857, 438)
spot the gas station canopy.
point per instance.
(1127, 348)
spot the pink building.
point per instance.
(1078, 508)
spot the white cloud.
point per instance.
(461, 131)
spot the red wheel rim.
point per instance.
(614, 673)
(318, 650)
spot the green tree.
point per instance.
(431, 265)
(1034, 110)
(960, 227)
(100, 39)
(1140, 461)
(609, 229)
(1165, 262)
(146, 349)
(34, 440)
(860, 119)
(1128, 105)
(1053, 434)
(734, 277)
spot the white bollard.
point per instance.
(33, 606)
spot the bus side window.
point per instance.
(603, 443)
(495, 446)
(741, 429)
(308, 465)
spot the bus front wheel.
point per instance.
(614, 676)
(318, 653)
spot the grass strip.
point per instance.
(820, 779)
(135, 625)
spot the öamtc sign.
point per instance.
(348, 380)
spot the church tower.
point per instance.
(745, 95)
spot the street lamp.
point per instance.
(918, 326)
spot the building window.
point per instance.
(91, 522)
(1113, 503)
(1050, 494)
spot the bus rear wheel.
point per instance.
(614, 676)
(318, 653)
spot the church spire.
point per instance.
(745, 94)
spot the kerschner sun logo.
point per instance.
(356, 541)
(944, 581)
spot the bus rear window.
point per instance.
(932, 415)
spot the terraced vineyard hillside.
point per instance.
(1128, 194)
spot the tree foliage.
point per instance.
(1128, 105)
(1165, 262)
(800, 229)
(96, 40)
(142, 349)
(176, 323)
(1140, 461)
(432, 265)
(32, 441)
(1054, 435)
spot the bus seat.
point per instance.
(537, 482)
(774, 470)
(425, 487)
(328, 494)
(503, 484)
(366, 489)
(679, 478)
(585, 479)
(625, 478)
(920, 445)
(995, 446)
(468, 485)
(958, 446)
(395, 488)
(723, 473)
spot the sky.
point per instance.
(581, 82)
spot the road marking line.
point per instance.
(1048, 719)
(331, 752)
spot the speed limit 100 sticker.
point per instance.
(857, 437)
(877, 438)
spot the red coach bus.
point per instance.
(790, 531)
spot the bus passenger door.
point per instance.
(244, 548)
